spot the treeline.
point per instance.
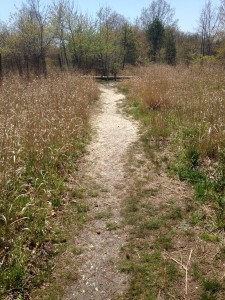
(38, 38)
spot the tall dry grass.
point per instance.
(179, 98)
(183, 133)
(43, 125)
(185, 107)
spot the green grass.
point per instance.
(207, 190)
(77, 251)
(111, 226)
(106, 214)
(149, 272)
(150, 225)
(210, 237)
(78, 193)
(176, 213)
(210, 289)
(150, 235)
(94, 194)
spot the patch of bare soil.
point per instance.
(103, 237)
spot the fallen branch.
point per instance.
(185, 267)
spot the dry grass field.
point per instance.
(43, 128)
(174, 205)
(184, 99)
(176, 210)
(186, 108)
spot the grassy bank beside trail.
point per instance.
(183, 133)
(43, 131)
(185, 109)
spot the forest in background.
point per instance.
(38, 38)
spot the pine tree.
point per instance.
(170, 47)
(155, 34)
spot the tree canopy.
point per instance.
(38, 37)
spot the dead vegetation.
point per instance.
(43, 128)
(173, 208)
(184, 98)
(176, 244)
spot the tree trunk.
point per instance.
(44, 66)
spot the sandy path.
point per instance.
(104, 164)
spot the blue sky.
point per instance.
(187, 11)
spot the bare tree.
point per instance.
(160, 10)
(59, 30)
(222, 13)
(208, 26)
(31, 36)
(39, 16)
(222, 20)
(109, 25)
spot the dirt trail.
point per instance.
(102, 239)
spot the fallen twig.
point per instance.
(185, 267)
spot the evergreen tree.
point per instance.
(170, 47)
(155, 34)
(129, 45)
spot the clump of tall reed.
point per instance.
(179, 98)
(43, 124)
(185, 106)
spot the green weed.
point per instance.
(112, 226)
(150, 225)
(103, 215)
(78, 193)
(211, 288)
(164, 242)
(210, 237)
